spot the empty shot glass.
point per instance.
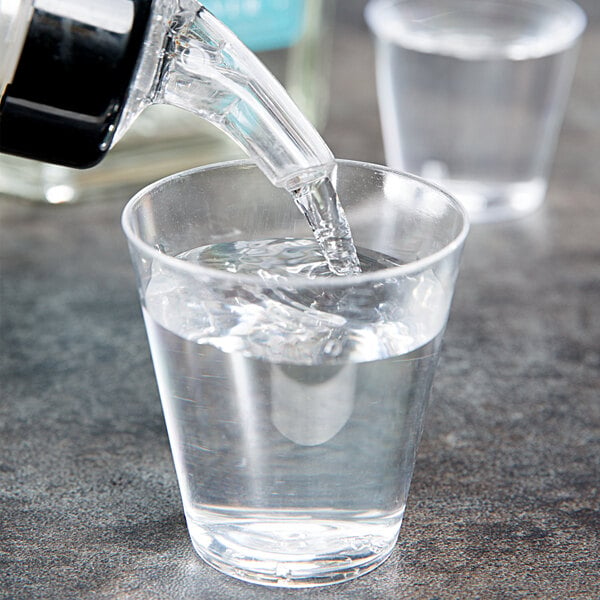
(293, 398)
(472, 94)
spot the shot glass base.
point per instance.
(275, 554)
(496, 202)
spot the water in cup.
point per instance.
(279, 403)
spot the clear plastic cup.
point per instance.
(472, 94)
(294, 404)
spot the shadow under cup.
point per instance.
(294, 405)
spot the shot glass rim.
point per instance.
(294, 281)
(380, 27)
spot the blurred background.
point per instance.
(328, 53)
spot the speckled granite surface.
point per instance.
(505, 502)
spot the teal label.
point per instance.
(261, 24)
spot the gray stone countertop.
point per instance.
(505, 501)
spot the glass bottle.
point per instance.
(291, 38)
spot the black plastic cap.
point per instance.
(72, 80)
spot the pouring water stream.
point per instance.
(205, 69)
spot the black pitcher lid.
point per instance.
(71, 80)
